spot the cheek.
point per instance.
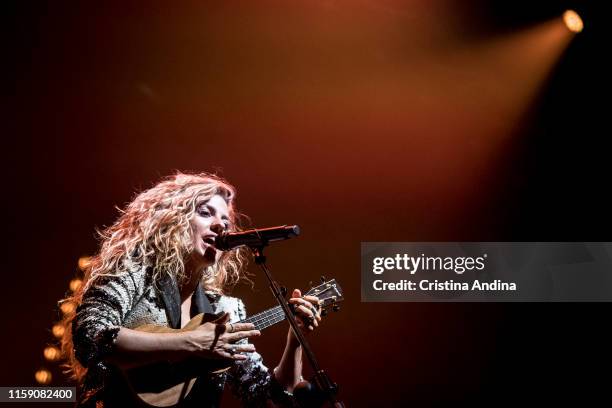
(200, 225)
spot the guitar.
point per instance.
(167, 384)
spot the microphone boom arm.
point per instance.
(322, 382)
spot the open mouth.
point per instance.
(209, 241)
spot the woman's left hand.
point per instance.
(307, 310)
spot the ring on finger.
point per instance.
(232, 350)
(231, 328)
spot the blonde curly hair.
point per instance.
(155, 230)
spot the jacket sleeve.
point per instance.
(103, 309)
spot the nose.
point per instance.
(217, 227)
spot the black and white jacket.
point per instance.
(132, 299)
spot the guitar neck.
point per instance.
(266, 318)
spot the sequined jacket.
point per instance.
(131, 300)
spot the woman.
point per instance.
(158, 265)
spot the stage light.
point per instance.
(573, 21)
(57, 330)
(43, 376)
(84, 262)
(52, 353)
(67, 307)
(75, 284)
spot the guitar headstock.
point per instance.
(329, 294)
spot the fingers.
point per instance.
(212, 340)
(243, 334)
(309, 316)
(234, 351)
(306, 323)
(237, 327)
(304, 307)
(240, 348)
(314, 300)
(306, 301)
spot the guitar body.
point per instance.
(167, 384)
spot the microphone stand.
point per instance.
(321, 380)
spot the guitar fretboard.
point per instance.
(266, 318)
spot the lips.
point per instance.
(209, 240)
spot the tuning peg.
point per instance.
(283, 291)
(336, 308)
(323, 279)
(324, 312)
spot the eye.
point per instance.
(203, 211)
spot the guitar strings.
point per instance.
(266, 318)
(263, 315)
(269, 320)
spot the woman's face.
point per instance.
(211, 219)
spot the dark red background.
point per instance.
(350, 119)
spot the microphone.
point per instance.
(256, 237)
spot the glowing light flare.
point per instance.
(75, 284)
(57, 330)
(573, 21)
(43, 376)
(67, 307)
(84, 262)
(52, 353)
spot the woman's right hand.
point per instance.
(221, 340)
